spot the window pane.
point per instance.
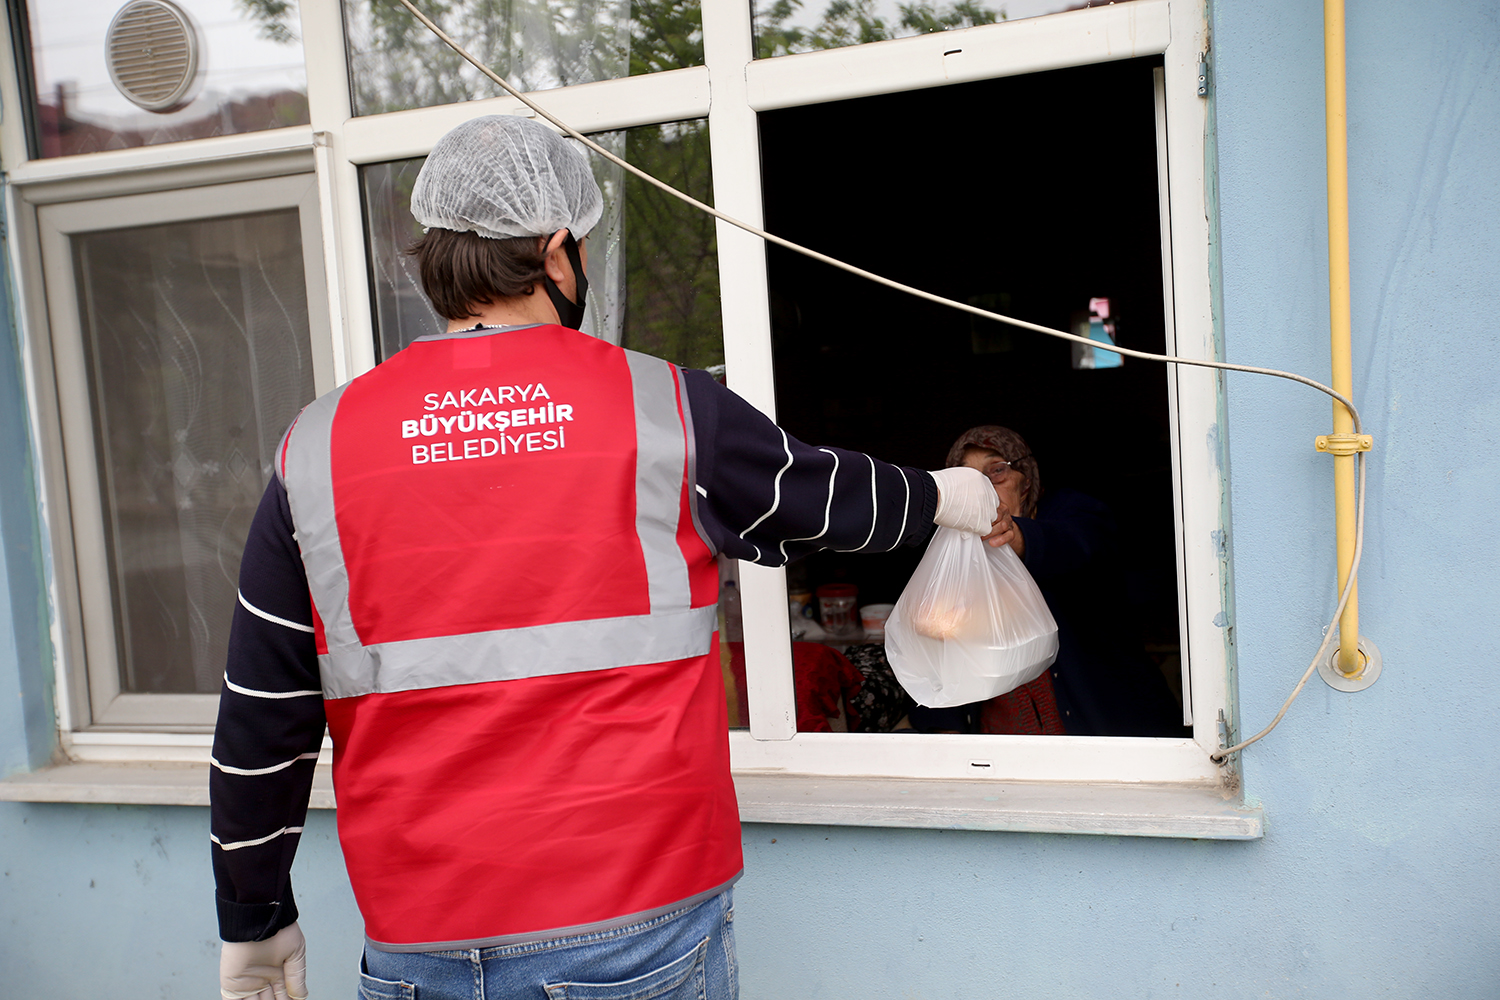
(397, 64)
(402, 313)
(653, 286)
(671, 259)
(653, 261)
(786, 26)
(198, 353)
(732, 644)
(204, 67)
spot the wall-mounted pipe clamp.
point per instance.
(1343, 444)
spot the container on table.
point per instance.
(872, 617)
(836, 603)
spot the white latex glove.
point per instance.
(274, 969)
(966, 500)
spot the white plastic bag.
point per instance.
(970, 625)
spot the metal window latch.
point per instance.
(1203, 74)
(1226, 734)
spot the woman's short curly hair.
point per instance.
(1008, 445)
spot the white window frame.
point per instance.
(730, 89)
(108, 706)
(1140, 28)
(46, 201)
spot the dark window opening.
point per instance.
(1030, 195)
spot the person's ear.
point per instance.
(555, 258)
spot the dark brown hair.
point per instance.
(461, 271)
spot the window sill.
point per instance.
(136, 784)
(1132, 810)
(1117, 809)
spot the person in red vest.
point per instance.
(488, 566)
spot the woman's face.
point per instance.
(1010, 485)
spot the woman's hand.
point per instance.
(1005, 532)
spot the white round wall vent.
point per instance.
(155, 55)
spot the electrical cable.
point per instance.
(1359, 543)
(1359, 521)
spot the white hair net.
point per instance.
(502, 176)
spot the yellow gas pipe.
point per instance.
(1343, 443)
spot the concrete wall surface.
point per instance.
(1378, 870)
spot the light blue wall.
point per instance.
(1378, 870)
(26, 717)
(117, 901)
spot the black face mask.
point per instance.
(569, 314)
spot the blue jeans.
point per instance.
(683, 955)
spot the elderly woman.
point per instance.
(1102, 683)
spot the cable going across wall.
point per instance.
(1222, 753)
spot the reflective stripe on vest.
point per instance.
(672, 630)
(306, 461)
(661, 450)
(692, 460)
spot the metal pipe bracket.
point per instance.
(1343, 444)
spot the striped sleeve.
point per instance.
(764, 496)
(270, 727)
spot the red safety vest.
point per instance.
(514, 610)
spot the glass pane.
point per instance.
(396, 63)
(653, 261)
(672, 252)
(198, 357)
(786, 26)
(402, 313)
(183, 69)
(732, 644)
(653, 286)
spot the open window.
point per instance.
(1043, 214)
(1047, 171)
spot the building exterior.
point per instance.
(1346, 855)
